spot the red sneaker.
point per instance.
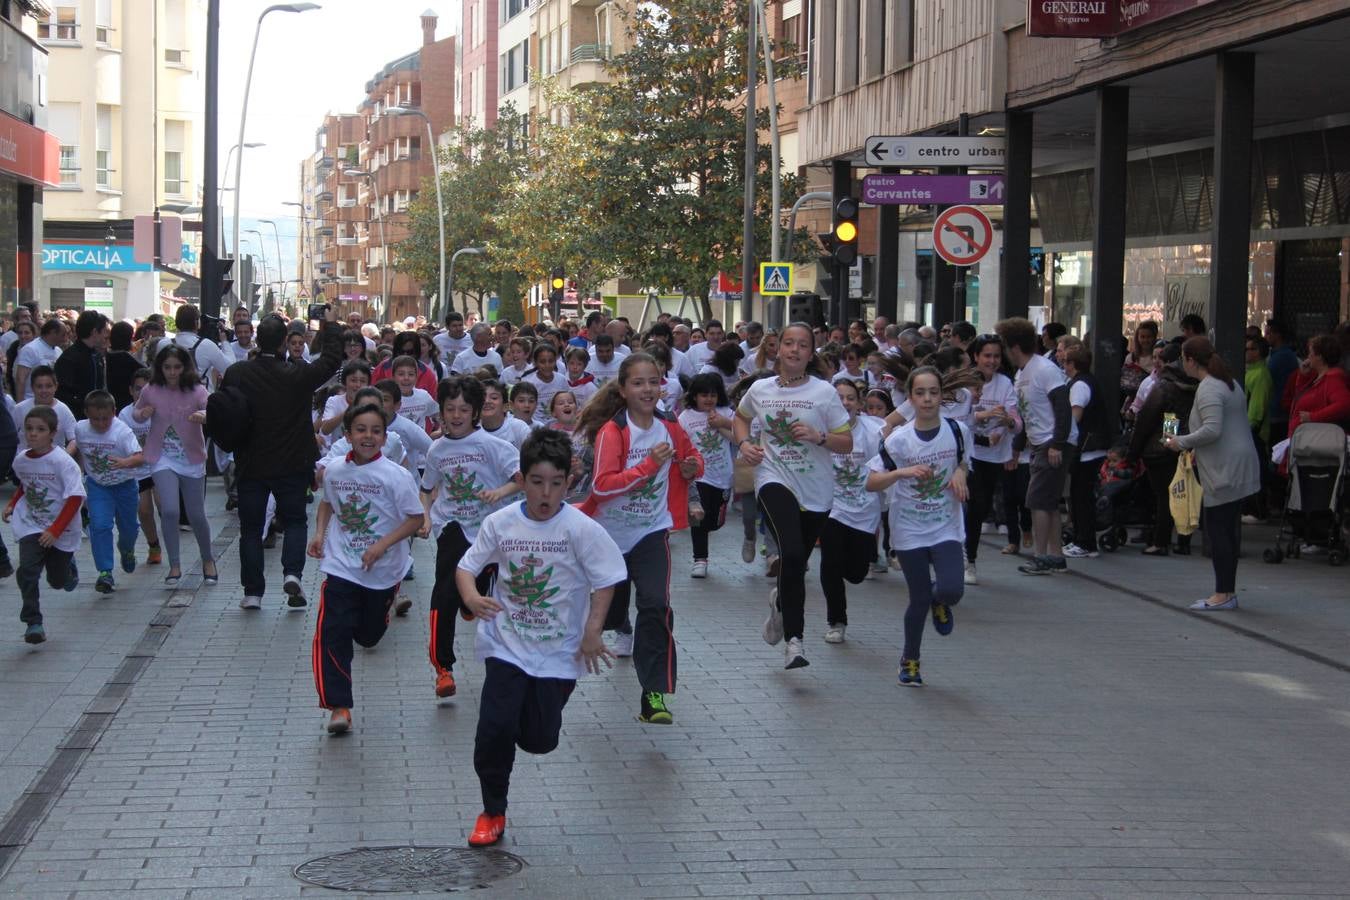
(487, 831)
(340, 722)
(445, 685)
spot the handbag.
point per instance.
(1185, 495)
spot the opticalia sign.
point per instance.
(1101, 18)
(84, 257)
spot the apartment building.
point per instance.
(125, 102)
(573, 40)
(366, 169)
(29, 155)
(476, 75)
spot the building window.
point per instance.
(61, 25)
(515, 70)
(103, 19)
(175, 144)
(63, 121)
(513, 8)
(70, 165)
(103, 147)
(175, 32)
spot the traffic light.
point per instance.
(846, 231)
(557, 284)
(224, 280)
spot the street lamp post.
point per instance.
(442, 296)
(462, 251)
(262, 251)
(281, 276)
(248, 81)
(302, 224)
(384, 244)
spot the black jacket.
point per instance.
(281, 441)
(121, 366)
(1094, 429)
(1173, 392)
(79, 370)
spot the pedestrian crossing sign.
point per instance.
(775, 279)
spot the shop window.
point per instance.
(61, 25)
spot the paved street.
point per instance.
(1074, 738)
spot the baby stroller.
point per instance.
(1317, 459)
(1116, 483)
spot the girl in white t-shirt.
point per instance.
(803, 423)
(495, 419)
(562, 412)
(707, 419)
(546, 379)
(848, 540)
(369, 511)
(923, 467)
(145, 509)
(355, 375)
(878, 403)
(640, 493)
(994, 423)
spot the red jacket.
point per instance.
(611, 479)
(1328, 400)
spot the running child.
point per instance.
(417, 406)
(525, 403)
(848, 539)
(355, 375)
(113, 464)
(415, 441)
(495, 419)
(640, 493)
(145, 509)
(707, 419)
(878, 404)
(364, 553)
(545, 379)
(541, 628)
(923, 466)
(467, 476)
(604, 364)
(517, 360)
(44, 524)
(562, 410)
(581, 383)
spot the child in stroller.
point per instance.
(1116, 480)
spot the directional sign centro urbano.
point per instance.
(926, 190)
(962, 235)
(775, 279)
(925, 152)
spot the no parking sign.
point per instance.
(962, 235)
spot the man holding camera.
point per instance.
(278, 456)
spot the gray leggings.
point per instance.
(168, 484)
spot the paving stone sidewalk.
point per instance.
(1072, 740)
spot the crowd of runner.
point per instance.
(550, 465)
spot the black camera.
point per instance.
(317, 311)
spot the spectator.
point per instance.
(409, 343)
(209, 360)
(24, 332)
(83, 368)
(1318, 392)
(1050, 335)
(1173, 392)
(1282, 363)
(479, 354)
(1191, 326)
(1256, 381)
(122, 365)
(1225, 462)
(278, 456)
(1138, 363)
(41, 352)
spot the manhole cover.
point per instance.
(409, 869)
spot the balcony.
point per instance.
(323, 164)
(590, 53)
(324, 197)
(587, 4)
(348, 241)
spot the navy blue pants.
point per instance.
(949, 569)
(347, 612)
(516, 710)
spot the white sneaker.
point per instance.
(251, 603)
(894, 562)
(1311, 550)
(773, 625)
(835, 634)
(1253, 520)
(295, 595)
(878, 568)
(1073, 551)
(700, 569)
(989, 527)
(623, 644)
(971, 577)
(748, 551)
(793, 657)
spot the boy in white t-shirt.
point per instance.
(417, 406)
(541, 628)
(365, 555)
(113, 464)
(44, 526)
(43, 382)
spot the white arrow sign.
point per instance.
(924, 152)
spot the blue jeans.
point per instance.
(291, 515)
(949, 569)
(108, 504)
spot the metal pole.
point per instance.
(276, 236)
(748, 232)
(384, 259)
(243, 117)
(775, 224)
(210, 270)
(446, 304)
(792, 217)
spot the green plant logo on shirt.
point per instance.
(848, 475)
(931, 487)
(780, 430)
(647, 490)
(529, 587)
(39, 500)
(709, 440)
(355, 517)
(99, 462)
(461, 485)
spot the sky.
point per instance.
(308, 64)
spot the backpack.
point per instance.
(891, 464)
(229, 418)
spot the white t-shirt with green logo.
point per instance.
(369, 501)
(805, 469)
(853, 505)
(98, 449)
(711, 445)
(644, 508)
(924, 511)
(462, 467)
(546, 573)
(48, 482)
